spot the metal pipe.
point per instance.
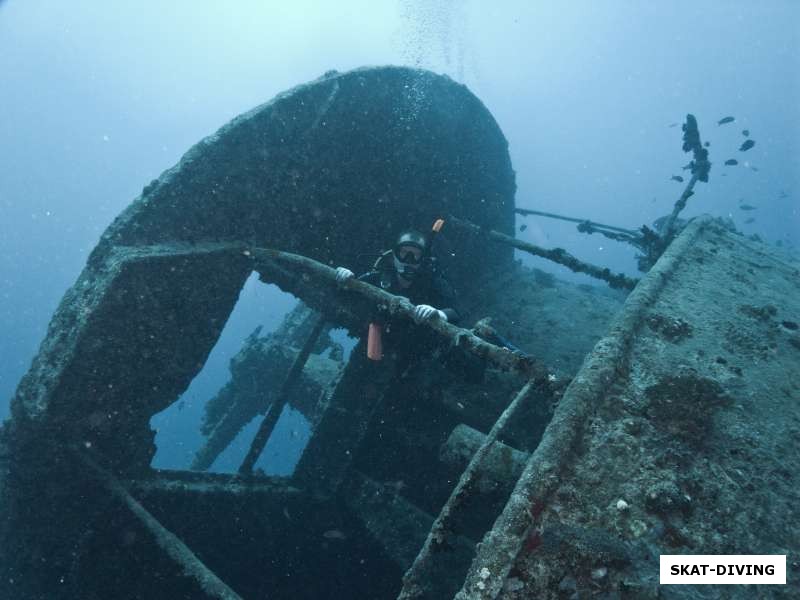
(528, 211)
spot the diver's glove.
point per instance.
(423, 312)
(343, 274)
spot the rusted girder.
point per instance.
(171, 544)
(557, 255)
(316, 284)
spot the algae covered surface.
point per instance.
(692, 447)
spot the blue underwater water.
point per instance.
(587, 95)
(98, 99)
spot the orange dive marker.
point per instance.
(374, 342)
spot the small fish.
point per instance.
(746, 146)
(726, 120)
(754, 168)
(747, 207)
(746, 132)
(731, 162)
(523, 227)
(707, 144)
(673, 125)
(334, 534)
(750, 220)
(783, 194)
(677, 178)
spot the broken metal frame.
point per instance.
(170, 543)
(278, 263)
(496, 554)
(655, 246)
(669, 227)
(143, 223)
(413, 581)
(319, 281)
(316, 283)
(319, 278)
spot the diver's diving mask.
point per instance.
(407, 263)
(408, 257)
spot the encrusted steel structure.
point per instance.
(478, 474)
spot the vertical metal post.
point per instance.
(414, 579)
(269, 422)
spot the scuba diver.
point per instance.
(407, 270)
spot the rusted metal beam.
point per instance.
(171, 544)
(529, 211)
(557, 255)
(316, 283)
(668, 232)
(504, 464)
(414, 581)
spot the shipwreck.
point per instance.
(661, 417)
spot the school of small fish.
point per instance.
(744, 147)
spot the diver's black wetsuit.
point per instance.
(402, 340)
(428, 288)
